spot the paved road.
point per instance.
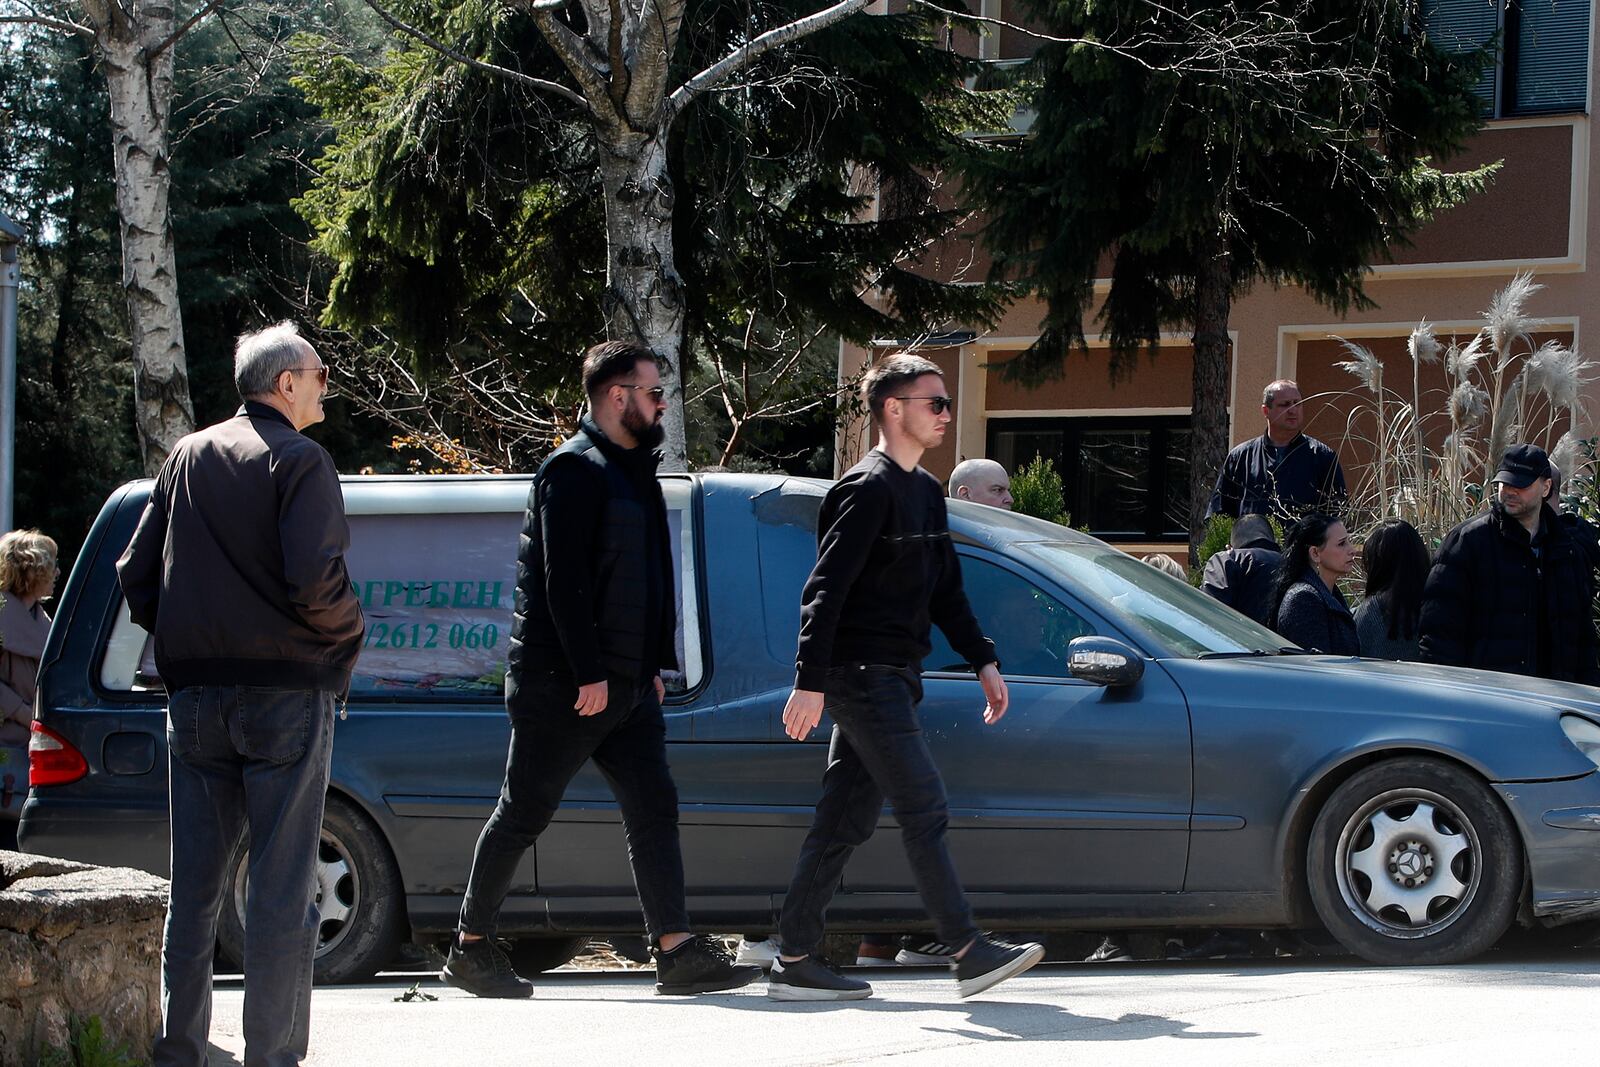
(1529, 1009)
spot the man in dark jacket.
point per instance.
(592, 632)
(1284, 472)
(1244, 574)
(886, 569)
(1510, 590)
(237, 568)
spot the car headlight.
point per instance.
(1583, 733)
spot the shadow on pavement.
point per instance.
(221, 1057)
(1004, 1020)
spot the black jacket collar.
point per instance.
(1329, 597)
(637, 458)
(255, 409)
(1295, 442)
(1551, 528)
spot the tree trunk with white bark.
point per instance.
(135, 46)
(1208, 442)
(644, 299)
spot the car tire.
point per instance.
(358, 889)
(1415, 861)
(530, 955)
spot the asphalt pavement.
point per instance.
(1505, 1009)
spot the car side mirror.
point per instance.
(1104, 661)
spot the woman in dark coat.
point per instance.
(1396, 562)
(1308, 607)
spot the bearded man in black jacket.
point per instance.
(885, 570)
(1511, 589)
(593, 630)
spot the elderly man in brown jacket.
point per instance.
(237, 567)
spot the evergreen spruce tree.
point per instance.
(1206, 146)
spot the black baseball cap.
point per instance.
(1522, 465)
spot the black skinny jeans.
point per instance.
(877, 752)
(550, 742)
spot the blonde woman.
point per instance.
(28, 575)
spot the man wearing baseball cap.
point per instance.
(1510, 590)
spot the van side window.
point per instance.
(438, 591)
(1029, 627)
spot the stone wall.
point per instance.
(77, 940)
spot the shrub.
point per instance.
(1037, 490)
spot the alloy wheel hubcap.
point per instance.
(338, 892)
(1408, 863)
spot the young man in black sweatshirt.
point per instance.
(885, 570)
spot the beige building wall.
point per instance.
(1534, 217)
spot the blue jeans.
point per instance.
(877, 752)
(244, 756)
(550, 743)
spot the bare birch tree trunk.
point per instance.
(140, 83)
(1208, 421)
(644, 297)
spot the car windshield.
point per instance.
(1171, 613)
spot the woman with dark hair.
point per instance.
(1396, 562)
(1308, 608)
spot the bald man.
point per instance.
(982, 481)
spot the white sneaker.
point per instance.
(757, 953)
(925, 954)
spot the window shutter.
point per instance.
(1465, 26)
(1552, 63)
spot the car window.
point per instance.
(437, 591)
(786, 541)
(1173, 613)
(1029, 627)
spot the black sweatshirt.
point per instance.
(573, 500)
(885, 570)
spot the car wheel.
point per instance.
(530, 955)
(359, 898)
(1415, 861)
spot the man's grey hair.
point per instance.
(1270, 393)
(970, 472)
(259, 357)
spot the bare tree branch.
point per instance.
(749, 52)
(542, 84)
(572, 50)
(47, 22)
(188, 25)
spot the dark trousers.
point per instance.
(244, 756)
(877, 752)
(550, 742)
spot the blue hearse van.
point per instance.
(1166, 762)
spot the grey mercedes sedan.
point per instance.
(1165, 763)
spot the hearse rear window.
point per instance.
(438, 591)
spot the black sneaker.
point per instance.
(989, 962)
(1111, 950)
(813, 978)
(482, 969)
(1219, 945)
(699, 965)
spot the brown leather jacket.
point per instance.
(237, 566)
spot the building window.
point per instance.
(1125, 478)
(1543, 61)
